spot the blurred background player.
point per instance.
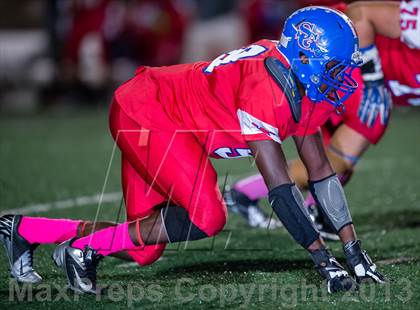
(245, 102)
(390, 41)
(63, 55)
(216, 26)
(103, 41)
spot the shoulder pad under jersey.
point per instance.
(285, 80)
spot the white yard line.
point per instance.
(136, 265)
(101, 196)
(396, 260)
(366, 164)
(82, 201)
(66, 204)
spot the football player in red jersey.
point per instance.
(168, 121)
(389, 34)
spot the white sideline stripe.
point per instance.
(129, 265)
(135, 265)
(77, 202)
(367, 164)
(66, 204)
(396, 260)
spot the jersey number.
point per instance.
(233, 56)
(227, 152)
(409, 23)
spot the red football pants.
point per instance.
(160, 166)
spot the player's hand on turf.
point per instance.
(376, 103)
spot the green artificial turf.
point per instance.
(48, 158)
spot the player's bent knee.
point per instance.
(179, 226)
(216, 223)
(212, 215)
(147, 255)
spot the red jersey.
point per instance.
(401, 57)
(226, 102)
(401, 67)
(400, 60)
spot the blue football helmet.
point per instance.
(329, 41)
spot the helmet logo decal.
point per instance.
(308, 38)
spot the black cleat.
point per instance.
(79, 266)
(336, 277)
(18, 250)
(254, 216)
(360, 264)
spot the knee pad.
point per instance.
(329, 195)
(287, 202)
(178, 225)
(215, 221)
(147, 255)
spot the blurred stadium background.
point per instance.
(59, 63)
(56, 53)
